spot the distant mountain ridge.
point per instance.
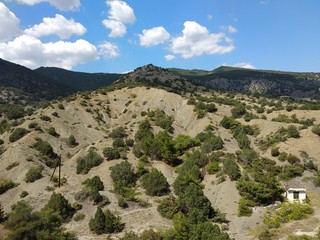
(51, 82)
(16, 76)
(79, 81)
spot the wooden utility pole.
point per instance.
(58, 164)
(59, 170)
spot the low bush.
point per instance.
(59, 204)
(52, 132)
(244, 209)
(92, 159)
(24, 194)
(79, 216)
(34, 174)
(45, 118)
(72, 142)
(231, 168)
(122, 203)
(12, 165)
(155, 183)
(111, 153)
(6, 184)
(275, 152)
(105, 222)
(17, 134)
(286, 213)
(316, 129)
(168, 207)
(213, 167)
(94, 183)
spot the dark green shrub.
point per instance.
(55, 114)
(161, 119)
(155, 183)
(195, 205)
(12, 165)
(292, 171)
(261, 193)
(72, 142)
(94, 183)
(244, 208)
(238, 111)
(316, 129)
(92, 159)
(118, 143)
(79, 216)
(260, 110)
(17, 134)
(213, 167)
(118, 132)
(24, 194)
(188, 173)
(283, 156)
(44, 148)
(45, 118)
(275, 152)
(293, 132)
(122, 176)
(229, 122)
(32, 125)
(60, 106)
(111, 153)
(6, 184)
(52, 132)
(293, 159)
(168, 207)
(59, 205)
(34, 174)
(231, 168)
(13, 111)
(98, 222)
(286, 213)
(184, 142)
(23, 221)
(129, 142)
(105, 222)
(122, 203)
(289, 108)
(207, 230)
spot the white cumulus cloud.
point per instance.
(9, 23)
(58, 25)
(240, 65)
(153, 36)
(118, 29)
(230, 29)
(31, 52)
(119, 14)
(196, 40)
(169, 57)
(108, 50)
(63, 5)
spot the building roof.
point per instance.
(293, 184)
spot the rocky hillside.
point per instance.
(159, 77)
(271, 83)
(204, 148)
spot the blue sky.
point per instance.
(119, 36)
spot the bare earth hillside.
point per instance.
(91, 117)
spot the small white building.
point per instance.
(295, 192)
